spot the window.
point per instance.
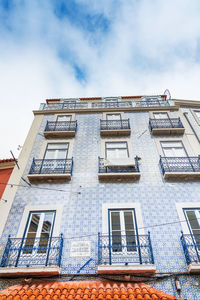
(173, 149)
(38, 232)
(56, 151)
(64, 118)
(197, 113)
(116, 150)
(113, 117)
(111, 102)
(161, 115)
(193, 221)
(122, 230)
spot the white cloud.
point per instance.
(149, 46)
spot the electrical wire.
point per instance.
(33, 187)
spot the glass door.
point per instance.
(36, 238)
(193, 218)
(55, 158)
(122, 235)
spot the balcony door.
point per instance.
(161, 115)
(55, 157)
(111, 102)
(122, 236)
(116, 150)
(36, 239)
(63, 122)
(193, 221)
(173, 149)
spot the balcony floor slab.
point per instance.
(182, 175)
(59, 134)
(115, 132)
(119, 176)
(168, 131)
(29, 271)
(194, 268)
(34, 178)
(127, 269)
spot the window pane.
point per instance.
(57, 146)
(122, 153)
(116, 145)
(113, 117)
(62, 154)
(31, 234)
(64, 118)
(160, 115)
(194, 224)
(179, 152)
(172, 144)
(168, 152)
(46, 230)
(115, 221)
(128, 220)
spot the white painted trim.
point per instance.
(179, 208)
(138, 212)
(57, 208)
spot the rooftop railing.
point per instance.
(191, 247)
(61, 126)
(29, 252)
(124, 249)
(102, 104)
(114, 124)
(165, 123)
(104, 167)
(180, 164)
(51, 166)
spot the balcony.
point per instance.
(49, 170)
(191, 248)
(166, 126)
(60, 129)
(180, 167)
(118, 170)
(115, 127)
(32, 256)
(125, 254)
(107, 106)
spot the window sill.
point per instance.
(168, 131)
(181, 175)
(129, 269)
(48, 177)
(194, 267)
(115, 132)
(119, 176)
(26, 271)
(59, 134)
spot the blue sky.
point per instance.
(81, 48)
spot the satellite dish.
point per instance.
(167, 93)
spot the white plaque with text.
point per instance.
(80, 249)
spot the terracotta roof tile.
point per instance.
(6, 160)
(83, 290)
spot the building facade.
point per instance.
(107, 188)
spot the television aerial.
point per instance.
(167, 93)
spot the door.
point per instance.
(114, 121)
(37, 238)
(173, 149)
(111, 102)
(63, 122)
(193, 221)
(122, 236)
(55, 158)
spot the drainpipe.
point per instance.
(186, 116)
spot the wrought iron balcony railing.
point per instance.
(29, 252)
(180, 164)
(114, 124)
(191, 247)
(105, 168)
(101, 104)
(165, 123)
(124, 249)
(61, 126)
(51, 166)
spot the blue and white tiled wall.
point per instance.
(84, 195)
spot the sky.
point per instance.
(83, 48)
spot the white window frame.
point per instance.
(180, 210)
(44, 208)
(109, 206)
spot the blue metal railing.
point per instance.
(180, 164)
(51, 166)
(191, 247)
(104, 168)
(101, 104)
(114, 124)
(165, 123)
(29, 252)
(125, 249)
(61, 126)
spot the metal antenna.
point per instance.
(15, 159)
(167, 93)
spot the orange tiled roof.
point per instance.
(83, 290)
(6, 160)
